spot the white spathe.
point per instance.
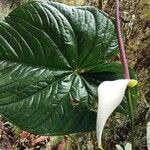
(110, 95)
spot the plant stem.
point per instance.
(131, 117)
(125, 70)
(121, 44)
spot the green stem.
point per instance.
(131, 117)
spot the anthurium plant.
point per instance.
(52, 59)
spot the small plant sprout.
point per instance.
(128, 146)
(110, 95)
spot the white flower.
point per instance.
(110, 95)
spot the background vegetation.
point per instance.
(135, 17)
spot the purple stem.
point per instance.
(121, 44)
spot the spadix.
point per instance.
(110, 95)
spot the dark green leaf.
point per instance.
(52, 58)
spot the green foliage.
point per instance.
(52, 58)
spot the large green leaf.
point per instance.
(52, 58)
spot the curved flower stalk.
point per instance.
(110, 95)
